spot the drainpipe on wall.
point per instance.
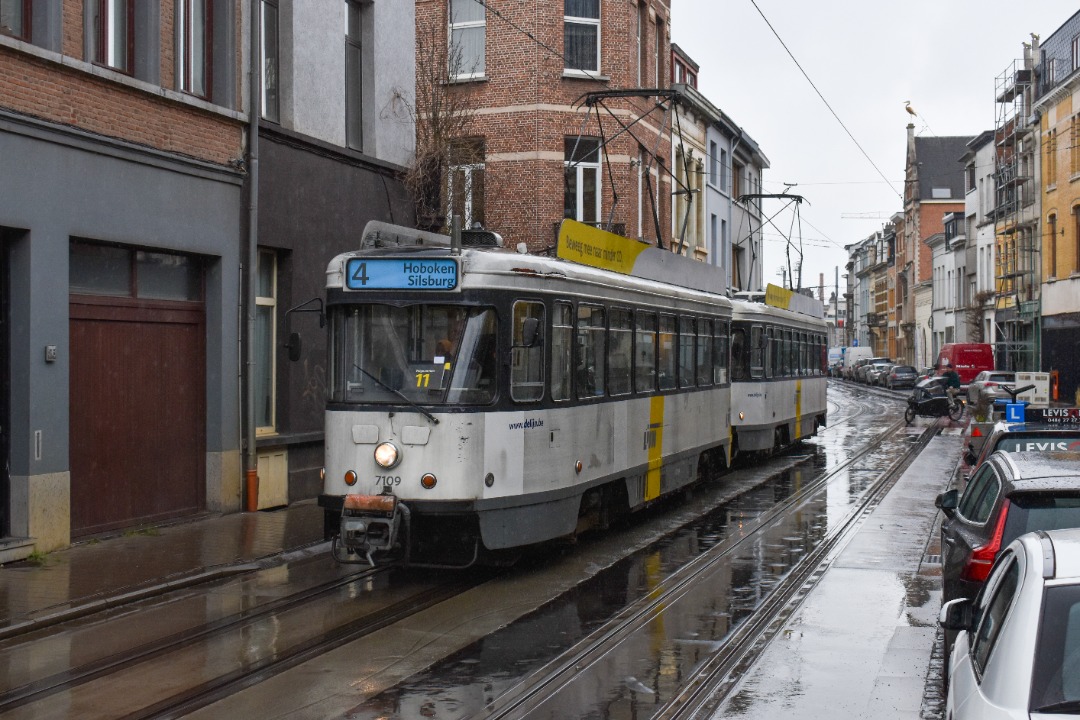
(251, 465)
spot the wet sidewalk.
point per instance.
(97, 574)
(862, 644)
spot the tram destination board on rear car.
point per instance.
(401, 274)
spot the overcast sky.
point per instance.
(866, 58)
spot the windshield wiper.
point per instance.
(400, 394)
(1066, 706)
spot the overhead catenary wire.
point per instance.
(827, 105)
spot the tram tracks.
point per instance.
(737, 649)
(40, 692)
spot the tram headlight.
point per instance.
(387, 455)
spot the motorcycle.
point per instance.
(930, 398)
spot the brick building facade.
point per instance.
(524, 67)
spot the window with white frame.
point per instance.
(467, 48)
(658, 54)
(713, 161)
(265, 366)
(271, 101)
(1076, 52)
(582, 187)
(642, 14)
(581, 34)
(465, 188)
(354, 76)
(1074, 145)
(194, 30)
(113, 33)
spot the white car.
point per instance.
(1017, 654)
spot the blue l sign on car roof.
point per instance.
(1014, 412)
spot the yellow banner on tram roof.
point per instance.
(587, 245)
(778, 296)
(785, 299)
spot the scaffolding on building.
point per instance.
(1016, 221)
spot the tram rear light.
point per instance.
(322, 474)
(577, 467)
(350, 478)
(742, 415)
(428, 481)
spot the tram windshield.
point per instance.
(423, 354)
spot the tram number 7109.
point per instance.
(387, 480)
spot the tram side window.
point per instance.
(704, 352)
(527, 365)
(776, 365)
(788, 353)
(687, 332)
(796, 349)
(620, 352)
(591, 337)
(666, 357)
(645, 353)
(757, 352)
(562, 345)
(720, 354)
(805, 353)
(740, 359)
(823, 356)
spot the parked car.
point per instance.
(852, 356)
(1017, 651)
(1044, 431)
(874, 371)
(1008, 495)
(900, 376)
(860, 370)
(986, 387)
(851, 372)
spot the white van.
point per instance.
(835, 360)
(852, 355)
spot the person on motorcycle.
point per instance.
(952, 379)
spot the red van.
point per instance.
(968, 359)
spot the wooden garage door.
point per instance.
(137, 413)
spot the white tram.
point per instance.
(779, 370)
(483, 400)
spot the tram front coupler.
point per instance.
(370, 526)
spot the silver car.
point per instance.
(1017, 654)
(986, 387)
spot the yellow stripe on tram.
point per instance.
(655, 442)
(798, 409)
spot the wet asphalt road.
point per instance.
(458, 660)
(464, 656)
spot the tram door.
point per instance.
(5, 387)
